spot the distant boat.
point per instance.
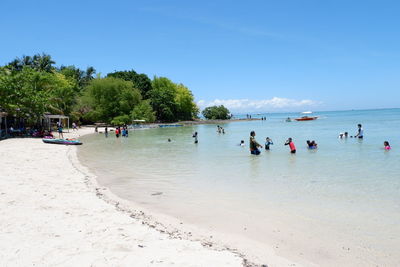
(169, 125)
(306, 112)
(306, 118)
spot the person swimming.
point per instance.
(254, 145)
(291, 145)
(311, 144)
(268, 142)
(169, 139)
(386, 145)
(242, 143)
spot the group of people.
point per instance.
(312, 144)
(121, 131)
(359, 134)
(254, 146)
(220, 129)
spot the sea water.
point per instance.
(320, 205)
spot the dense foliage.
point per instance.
(140, 81)
(108, 99)
(33, 86)
(216, 113)
(171, 101)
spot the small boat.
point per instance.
(62, 141)
(306, 118)
(170, 125)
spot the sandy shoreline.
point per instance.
(52, 214)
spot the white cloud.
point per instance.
(248, 105)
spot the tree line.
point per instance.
(31, 86)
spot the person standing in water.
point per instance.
(268, 142)
(291, 145)
(360, 132)
(106, 132)
(254, 145)
(117, 132)
(195, 138)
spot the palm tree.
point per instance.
(15, 65)
(43, 62)
(26, 61)
(90, 71)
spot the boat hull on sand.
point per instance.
(61, 141)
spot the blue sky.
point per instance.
(248, 55)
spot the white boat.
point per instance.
(306, 112)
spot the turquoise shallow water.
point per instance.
(348, 187)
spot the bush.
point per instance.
(121, 120)
(216, 113)
(143, 111)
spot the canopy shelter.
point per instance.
(49, 117)
(3, 124)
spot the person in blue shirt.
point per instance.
(268, 142)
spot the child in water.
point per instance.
(242, 143)
(268, 142)
(311, 144)
(291, 145)
(386, 145)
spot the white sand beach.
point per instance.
(53, 215)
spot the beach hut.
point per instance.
(49, 117)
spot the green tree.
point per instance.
(162, 98)
(121, 120)
(172, 102)
(140, 81)
(80, 77)
(62, 95)
(31, 93)
(186, 107)
(39, 62)
(109, 98)
(143, 111)
(216, 113)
